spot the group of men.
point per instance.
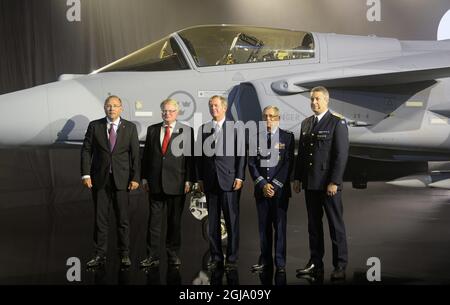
(172, 163)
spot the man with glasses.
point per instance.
(167, 175)
(271, 169)
(110, 169)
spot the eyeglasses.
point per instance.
(112, 106)
(167, 111)
(270, 116)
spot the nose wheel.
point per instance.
(199, 209)
(223, 230)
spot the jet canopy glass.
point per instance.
(218, 45)
(163, 55)
(229, 45)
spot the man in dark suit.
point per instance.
(321, 161)
(167, 173)
(220, 173)
(110, 168)
(271, 169)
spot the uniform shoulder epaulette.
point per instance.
(338, 115)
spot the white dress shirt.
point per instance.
(320, 116)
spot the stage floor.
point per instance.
(407, 229)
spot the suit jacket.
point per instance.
(323, 152)
(97, 159)
(220, 167)
(278, 175)
(168, 173)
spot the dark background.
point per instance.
(38, 43)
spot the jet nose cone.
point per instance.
(442, 184)
(24, 117)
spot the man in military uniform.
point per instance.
(321, 161)
(270, 169)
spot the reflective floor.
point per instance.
(47, 218)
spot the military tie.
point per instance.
(315, 122)
(269, 140)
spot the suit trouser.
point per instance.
(316, 203)
(103, 199)
(272, 218)
(228, 203)
(173, 205)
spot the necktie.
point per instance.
(216, 131)
(112, 137)
(166, 139)
(316, 121)
(213, 132)
(269, 140)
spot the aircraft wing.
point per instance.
(380, 79)
(400, 70)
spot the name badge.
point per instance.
(323, 132)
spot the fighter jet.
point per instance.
(393, 94)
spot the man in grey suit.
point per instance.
(110, 169)
(220, 173)
(167, 175)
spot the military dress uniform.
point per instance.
(272, 212)
(321, 159)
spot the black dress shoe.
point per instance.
(174, 261)
(313, 279)
(310, 268)
(259, 267)
(97, 261)
(125, 261)
(338, 274)
(149, 262)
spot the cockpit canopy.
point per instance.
(230, 45)
(218, 45)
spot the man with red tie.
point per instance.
(167, 175)
(110, 168)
